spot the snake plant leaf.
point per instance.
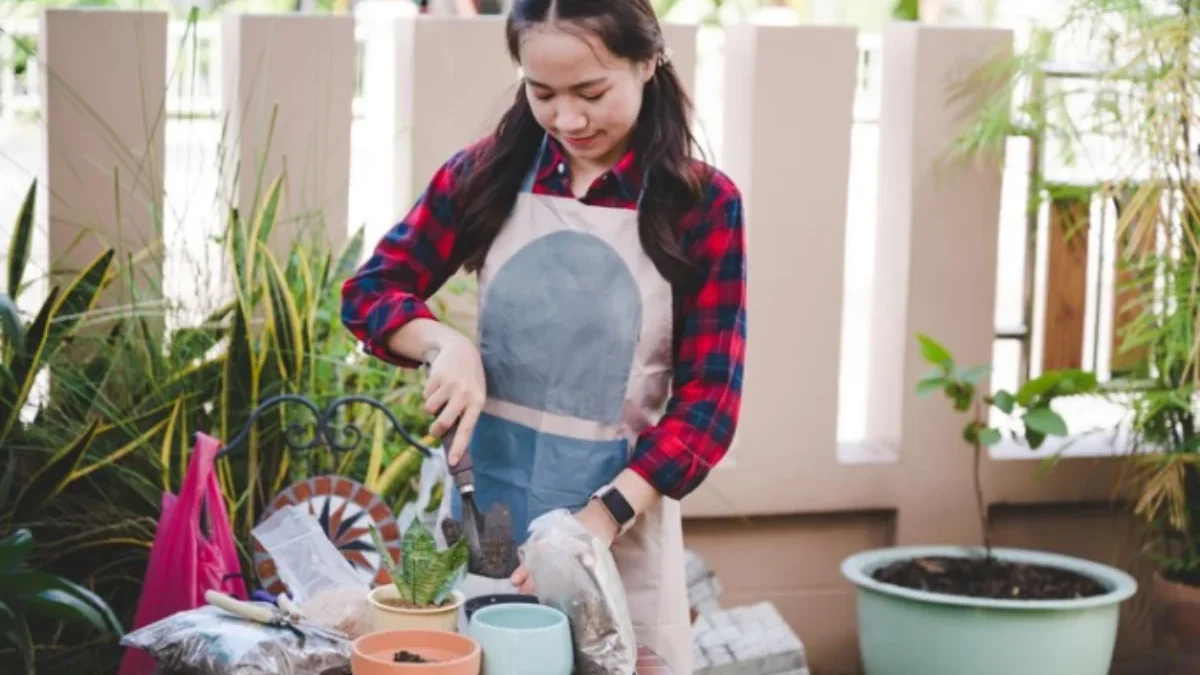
(79, 297)
(389, 564)
(20, 242)
(15, 630)
(15, 549)
(55, 475)
(6, 481)
(285, 320)
(23, 366)
(10, 321)
(432, 574)
(425, 576)
(53, 597)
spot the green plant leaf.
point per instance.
(11, 326)
(1045, 421)
(77, 299)
(431, 573)
(285, 321)
(24, 366)
(54, 597)
(989, 436)
(975, 374)
(935, 353)
(426, 576)
(19, 243)
(930, 383)
(1004, 401)
(15, 630)
(389, 563)
(55, 474)
(15, 549)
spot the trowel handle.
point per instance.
(465, 463)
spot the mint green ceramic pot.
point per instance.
(909, 632)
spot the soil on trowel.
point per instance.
(988, 578)
(405, 656)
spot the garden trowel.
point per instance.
(490, 546)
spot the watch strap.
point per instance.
(618, 507)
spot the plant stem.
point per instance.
(983, 515)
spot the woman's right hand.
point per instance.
(457, 388)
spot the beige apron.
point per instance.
(575, 333)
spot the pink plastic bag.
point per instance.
(183, 562)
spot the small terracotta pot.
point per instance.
(1177, 625)
(451, 653)
(390, 617)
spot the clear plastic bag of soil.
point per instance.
(211, 641)
(574, 572)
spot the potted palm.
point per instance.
(945, 610)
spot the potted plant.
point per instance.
(945, 610)
(424, 590)
(1138, 95)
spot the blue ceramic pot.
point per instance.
(523, 638)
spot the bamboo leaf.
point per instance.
(20, 241)
(55, 475)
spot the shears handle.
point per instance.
(245, 610)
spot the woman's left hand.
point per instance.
(594, 519)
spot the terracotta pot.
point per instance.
(451, 653)
(1177, 625)
(390, 617)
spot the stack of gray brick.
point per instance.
(748, 640)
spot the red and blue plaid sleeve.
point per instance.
(697, 427)
(408, 265)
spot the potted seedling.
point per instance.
(424, 591)
(946, 610)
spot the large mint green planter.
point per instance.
(909, 632)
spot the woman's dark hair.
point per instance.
(662, 136)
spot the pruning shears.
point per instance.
(285, 616)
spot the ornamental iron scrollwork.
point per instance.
(339, 439)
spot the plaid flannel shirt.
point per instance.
(675, 455)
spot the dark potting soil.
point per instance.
(405, 656)
(988, 578)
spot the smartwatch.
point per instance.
(617, 506)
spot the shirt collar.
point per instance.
(627, 171)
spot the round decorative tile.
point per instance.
(345, 509)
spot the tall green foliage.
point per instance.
(93, 452)
(1132, 126)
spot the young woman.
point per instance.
(606, 375)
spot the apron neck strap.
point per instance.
(532, 172)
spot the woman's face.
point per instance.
(583, 95)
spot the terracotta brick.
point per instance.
(343, 487)
(322, 485)
(300, 492)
